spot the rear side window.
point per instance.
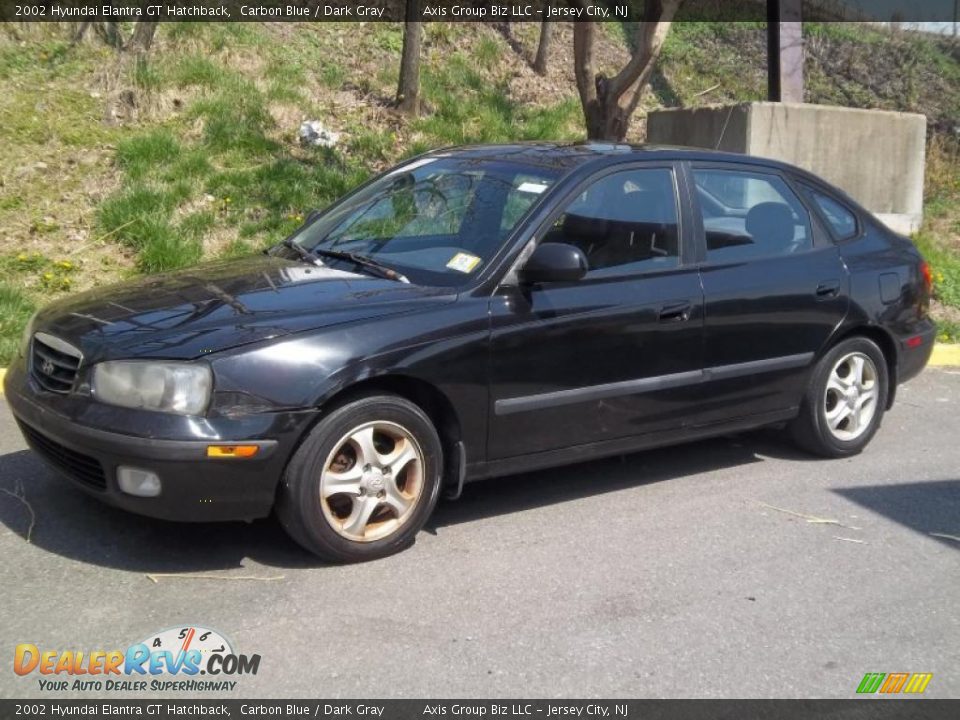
(750, 215)
(843, 222)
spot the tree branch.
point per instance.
(651, 33)
(583, 61)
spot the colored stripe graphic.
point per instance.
(871, 682)
(918, 682)
(894, 682)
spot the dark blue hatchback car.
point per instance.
(473, 312)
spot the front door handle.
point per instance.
(675, 312)
(828, 289)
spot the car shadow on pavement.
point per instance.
(515, 493)
(71, 524)
(929, 508)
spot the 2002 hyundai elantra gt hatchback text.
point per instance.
(475, 312)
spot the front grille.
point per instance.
(54, 363)
(78, 466)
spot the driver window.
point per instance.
(749, 215)
(625, 222)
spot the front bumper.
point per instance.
(195, 488)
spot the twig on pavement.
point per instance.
(157, 577)
(19, 494)
(813, 519)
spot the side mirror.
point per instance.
(554, 262)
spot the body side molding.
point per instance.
(508, 406)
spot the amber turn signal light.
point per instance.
(232, 451)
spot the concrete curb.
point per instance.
(943, 355)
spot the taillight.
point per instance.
(927, 276)
(923, 301)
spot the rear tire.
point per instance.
(364, 481)
(844, 401)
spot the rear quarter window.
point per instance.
(842, 220)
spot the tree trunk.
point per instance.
(543, 47)
(81, 31)
(142, 37)
(605, 118)
(408, 90)
(109, 32)
(609, 102)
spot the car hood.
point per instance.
(221, 305)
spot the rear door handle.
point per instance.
(828, 289)
(675, 312)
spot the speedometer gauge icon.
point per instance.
(189, 637)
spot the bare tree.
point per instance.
(408, 89)
(543, 47)
(609, 102)
(109, 31)
(143, 33)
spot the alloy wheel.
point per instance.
(372, 481)
(850, 398)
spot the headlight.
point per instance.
(174, 387)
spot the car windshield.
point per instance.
(437, 220)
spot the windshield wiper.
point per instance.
(305, 255)
(362, 261)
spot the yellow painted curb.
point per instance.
(3, 371)
(944, 354)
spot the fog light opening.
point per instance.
(135, 481)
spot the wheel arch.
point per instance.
(428, 397)
(425, 395)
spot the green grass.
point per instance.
(470, 107)
(143, 154)
(15, 309)
(945, 265)
(163, 248)
(197, 71)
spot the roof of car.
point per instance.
(565, 156)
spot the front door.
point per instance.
(615, 354)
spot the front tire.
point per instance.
(364, 481)
(845, 399)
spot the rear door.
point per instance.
(775, 288)
(617, 353)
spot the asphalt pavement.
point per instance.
(736, 567)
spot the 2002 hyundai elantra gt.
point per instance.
(477, 312)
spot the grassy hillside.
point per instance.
(109, 168)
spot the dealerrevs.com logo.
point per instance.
(168, 661)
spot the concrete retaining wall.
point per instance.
(876, 156)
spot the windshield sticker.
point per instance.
(463, 262)
(531, 187)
